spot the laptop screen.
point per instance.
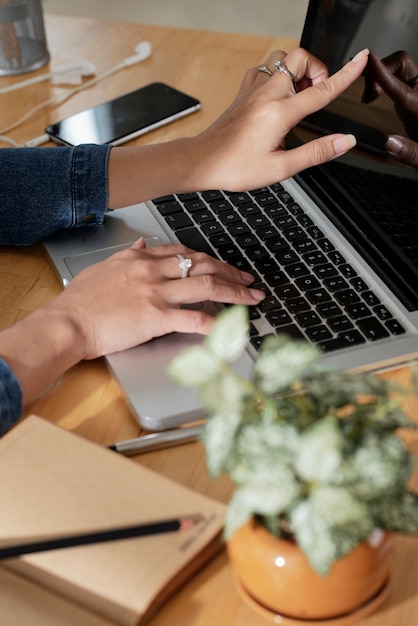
(334, 31)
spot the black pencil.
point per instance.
(115, 534)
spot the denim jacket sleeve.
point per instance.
(43, 190)
(10, 398)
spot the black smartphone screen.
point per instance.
(124, 118)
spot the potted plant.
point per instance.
(321, 475)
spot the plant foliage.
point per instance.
(311, 450)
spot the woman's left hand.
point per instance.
(244, 148)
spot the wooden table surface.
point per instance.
(86, 400)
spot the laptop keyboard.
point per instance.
(312, 292)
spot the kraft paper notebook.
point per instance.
(53, 482)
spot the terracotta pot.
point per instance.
(276, 574)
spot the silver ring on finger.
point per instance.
(184, 265)
(282, 67)
(265, 69)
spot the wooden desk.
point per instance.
(86, 400)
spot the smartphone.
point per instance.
(124, 118)
(326, 122)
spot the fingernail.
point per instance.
(257, 294)
(360, 55)
(344, 143)
(394, 144)
(247, 277)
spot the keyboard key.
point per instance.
(372, 328)
(358, 284)
(325, 271)
(305, 283)
(278, 317)
(318, 333)
(325, 244)
(297, 269)
(178, 220)
(346, 297)
(286, 257)
(212, 195)
(193, 239)
(351, 338)
(382, 312)
(335, 284)
(295, 305)
(328, 310)
(285, 292)
(395, 327)
(336, 257)
(357, 310)
(347, 271)
(269, 303)
(339, 324)
(212, 229)
(314, 258)
(275, 279)
(307, 318)
(316, 296)
(293, 331)
(370, 298)
(166, 208)
(303, 245)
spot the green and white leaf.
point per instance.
(337, 507)
(281, 362)
(320, 451)
(398, 514)
(218, 438)
(382, 466)
(229, 334)
(194, 367)
(263, 500)
(313, 537)
(225, 393)
(269, 440)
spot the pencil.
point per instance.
(115, 534)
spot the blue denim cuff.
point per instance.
(48, 189)
(11, 407)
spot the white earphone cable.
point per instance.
(58, 99)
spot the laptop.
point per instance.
(334, 248)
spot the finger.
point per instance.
(256, 76)
(207, 287)
(203, 264)
(403, 149)
(314, 153)
(386, 76)
(319, 95)
(139, 244)
(401, 64)
(307, 69)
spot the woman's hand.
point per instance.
(136, 295)
(244, 148)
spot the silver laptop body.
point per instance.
(157, 402)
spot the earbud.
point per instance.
(143, 50)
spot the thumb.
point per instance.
(139, 244)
